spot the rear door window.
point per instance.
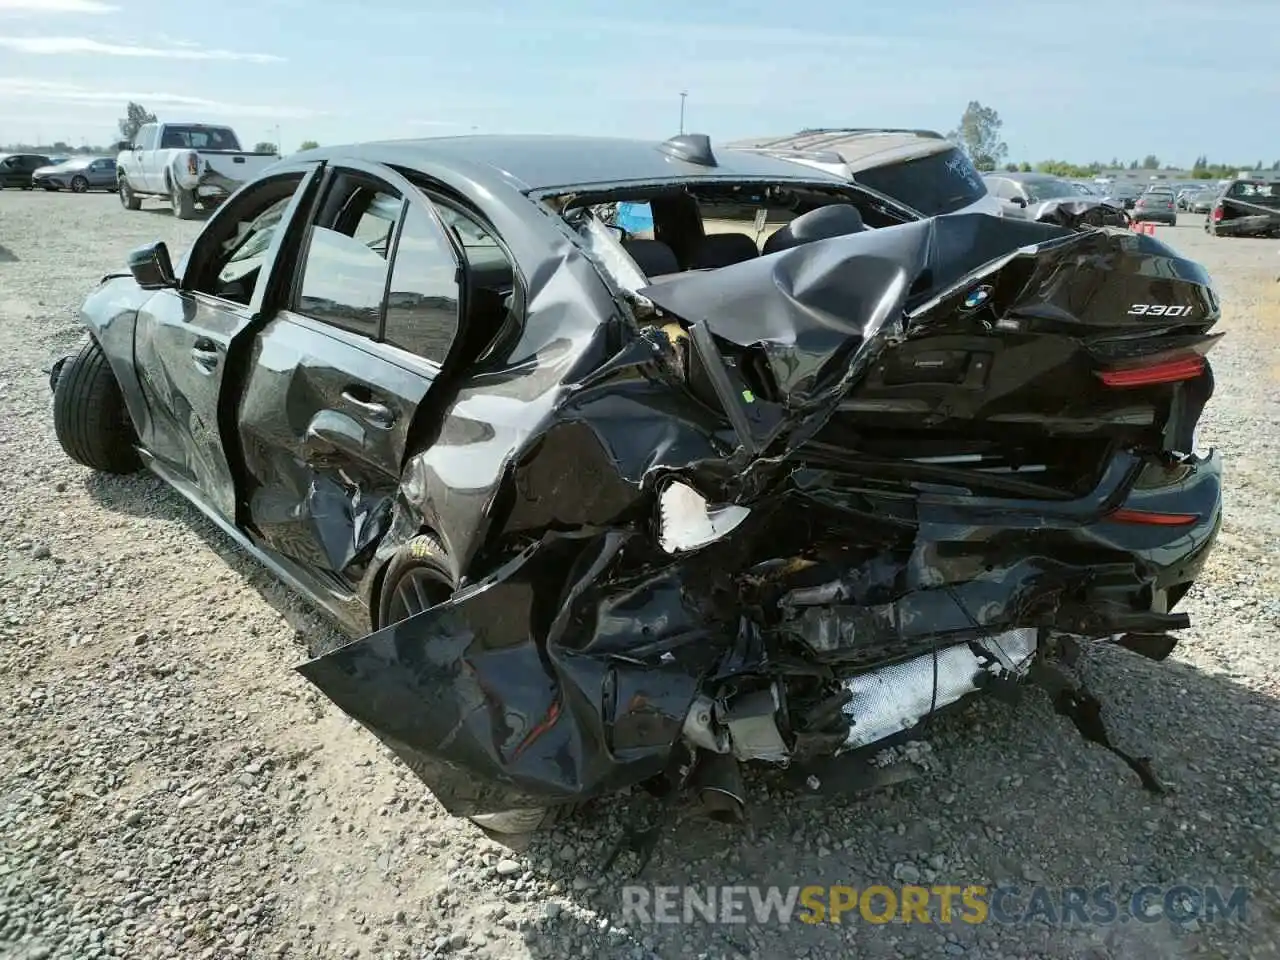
(345, 271)
(422, 302)
(939, 183)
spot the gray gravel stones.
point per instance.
(169, 787)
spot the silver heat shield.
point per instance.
(894, 698)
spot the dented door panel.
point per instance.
(323, 421)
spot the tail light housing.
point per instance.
(1217, 214)
(1150, 371)
(1152, 519)
(193, 163)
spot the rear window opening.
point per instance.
(1264, 194)
(670, 230)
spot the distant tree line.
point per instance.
(979, 135)
(135, 116)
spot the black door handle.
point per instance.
(370, 409)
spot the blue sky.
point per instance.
(1072, 80)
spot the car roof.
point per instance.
(860, 148)
(1022, 177)
(538, 162)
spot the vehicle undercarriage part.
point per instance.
(897, 697)
(1072, 700)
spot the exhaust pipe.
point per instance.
(897, 697)
(718, 782)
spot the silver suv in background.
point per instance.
(920, 169)
(1021, 194)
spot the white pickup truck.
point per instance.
(186, 163)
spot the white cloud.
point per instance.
(27, 91)
(57, 6)
(52, 46)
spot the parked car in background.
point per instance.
(1021, 194)
(188, 164)
(1124, 194)
(1202, 201)
(16, 168)
(1246, 208)
(919, 168)
(79, 175)
(1156, 205)
(1085, 189)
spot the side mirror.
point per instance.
(152, 267)
(1020, 201)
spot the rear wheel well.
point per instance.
(380, 577)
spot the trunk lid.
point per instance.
(962, 342)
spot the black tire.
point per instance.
(419, 563)
(128, 199)
(183, 203)
(79, 185)
(89, 416)
(421, 566)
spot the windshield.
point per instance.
(1038, 190)
(939, 183)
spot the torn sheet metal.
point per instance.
(825, 546)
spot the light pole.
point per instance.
(683, 94)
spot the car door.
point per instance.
(146, 157)
(130, 161)
(189, 338)
(101, 173)
(338, 373)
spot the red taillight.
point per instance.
(1217, 214)
(193, 164)
(1152, 519)
(1160, 371)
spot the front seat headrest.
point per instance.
(722, 249)
(835, 220)
(653, 257)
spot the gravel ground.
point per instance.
(170, 787)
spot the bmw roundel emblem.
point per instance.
(976, 298)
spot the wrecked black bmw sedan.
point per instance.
(773, 482)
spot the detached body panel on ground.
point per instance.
(604, 510)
